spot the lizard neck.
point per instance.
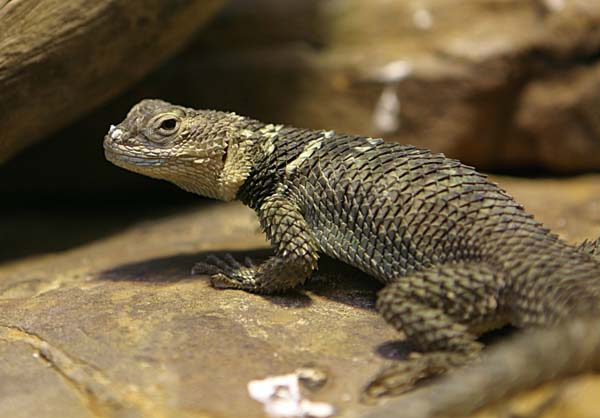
(220, 175)
(238, 161)
(275, 146)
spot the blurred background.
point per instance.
(100, 315)
(509, 86)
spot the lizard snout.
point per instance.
(115, 133)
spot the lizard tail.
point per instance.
(523, 362)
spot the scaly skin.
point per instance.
(457, 254)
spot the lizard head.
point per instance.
(202, 151)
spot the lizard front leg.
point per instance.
(295, 253)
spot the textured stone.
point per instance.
(513, 89)
(124, 330)
(118, 328)
(559, 122)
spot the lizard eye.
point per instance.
(163, 127)
(168, 126)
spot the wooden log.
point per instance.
(59, 59)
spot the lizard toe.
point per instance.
(212, 264)
(204, 268)
(395, 379)
(220, 281)
(404, 376)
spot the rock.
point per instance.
(513, 89)
(118, 327)
(58, 59)
(558, 120)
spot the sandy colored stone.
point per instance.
(515, 88)
(126, 329)
(119, 328)
(558, 119)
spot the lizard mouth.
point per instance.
(129, 160)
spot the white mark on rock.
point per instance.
(554, 5)
(393, 72)
(386, 116)
(281, 398)
(422, 18)
(310, 149)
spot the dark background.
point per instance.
(512, 87)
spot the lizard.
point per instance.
(457, 255)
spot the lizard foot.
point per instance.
(404, 376)
(226, 272)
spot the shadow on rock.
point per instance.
(178, 267)
(334, 280)
(345, 284)
(171, 268)
(398, 350)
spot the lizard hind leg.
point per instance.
(441, 310)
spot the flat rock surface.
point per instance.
(118, 327)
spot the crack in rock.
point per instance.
(103, 397)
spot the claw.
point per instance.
(202, 268)
(216, 265)
(394, 380)
(405, 376)
(211, 265)
(219, 281)
(225, 272)
(230, 262)
(218, 261)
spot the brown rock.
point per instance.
(509, 90)
(514, 89)
(60, 59)
(559, 120)
(118, 327)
